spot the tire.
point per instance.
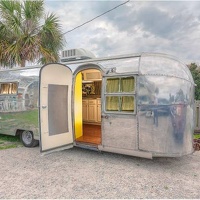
(27, 139)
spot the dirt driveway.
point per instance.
(79, 173)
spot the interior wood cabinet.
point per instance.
(98, 110)
(91, 110)
(85, 110)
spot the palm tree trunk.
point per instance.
(23, 62)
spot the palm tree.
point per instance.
(23, 36)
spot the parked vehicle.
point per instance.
(138, 104)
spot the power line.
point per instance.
(96, 17)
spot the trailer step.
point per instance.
(87, 146)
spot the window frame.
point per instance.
(9, 82)
(120, 94)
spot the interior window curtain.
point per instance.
(127, 103)
(120, 86)
(10, 89)
(4, 88)
(112, 103)
(127, 84)
(14, 88)
(112, 85)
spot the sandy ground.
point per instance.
(79, 173)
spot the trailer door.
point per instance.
(119, 121)
(55, 107)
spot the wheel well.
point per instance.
(19, 131)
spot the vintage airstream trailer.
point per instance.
(138, 104)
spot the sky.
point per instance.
(170, 27)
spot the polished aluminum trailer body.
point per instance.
(161, 124)
(19, 108)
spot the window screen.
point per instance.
(58, 109)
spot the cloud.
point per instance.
(138, 26)
(165, 24)
(156, 22)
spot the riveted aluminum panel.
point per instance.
(119, 131)
(157, 64)
(165, 112)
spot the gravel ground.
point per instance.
(79, 173)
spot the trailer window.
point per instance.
(8, 88)
(120, 94)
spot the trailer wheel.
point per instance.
(27, 139)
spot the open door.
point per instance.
(55, 107)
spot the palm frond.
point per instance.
(32, 13)
(33, 10)
(51, 32)
(22, 38)
(11, 15)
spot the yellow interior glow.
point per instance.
(78, 106)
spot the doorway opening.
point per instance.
(87, 107)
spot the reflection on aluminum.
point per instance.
(20, 110)
(165, 107)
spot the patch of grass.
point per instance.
(9, 138)
(196, 136)
(8, 146)
(8, 142)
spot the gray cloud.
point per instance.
(166, 27)
(162, 24)
(156, 22)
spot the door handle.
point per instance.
(43, 107)
(105, 116)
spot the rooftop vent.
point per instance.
(76, 54)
